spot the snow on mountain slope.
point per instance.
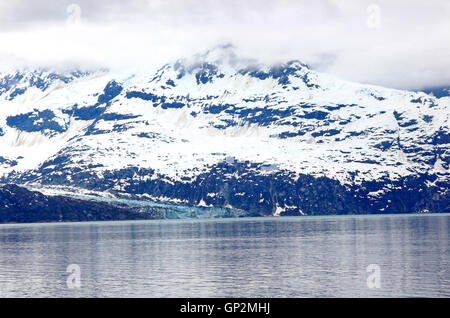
(216, 129)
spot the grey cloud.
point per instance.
(408, 50)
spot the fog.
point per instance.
(401, 44)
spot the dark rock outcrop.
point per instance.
(19, 205)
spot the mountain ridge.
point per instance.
(217, 129)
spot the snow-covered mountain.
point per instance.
(224, 131)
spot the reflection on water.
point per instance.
(263, 257)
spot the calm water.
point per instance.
(272, 257)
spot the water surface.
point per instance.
(258, 257)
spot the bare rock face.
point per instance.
(19, 205)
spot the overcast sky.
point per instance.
(395, 43)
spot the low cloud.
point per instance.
(401, 44)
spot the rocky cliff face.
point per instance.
(222, 131)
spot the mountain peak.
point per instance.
(224, 63)
(228, 54)
(17, 82)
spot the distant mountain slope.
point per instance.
(16, 83)
(224, 131)
(19, 205)
(438, 92)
